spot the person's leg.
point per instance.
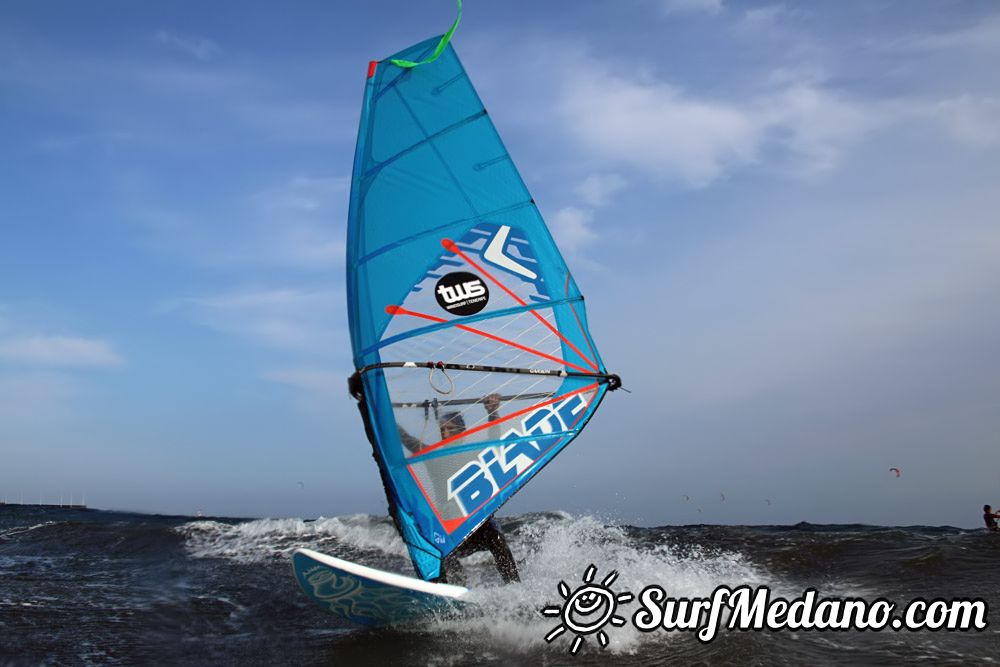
(497, 544)
(452, 571)
(490, 538)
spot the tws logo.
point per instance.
(462, 293)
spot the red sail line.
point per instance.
(475, 429)
(398, 310)
(451, 246)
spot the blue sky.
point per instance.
(783, 216)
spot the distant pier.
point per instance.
(65, 506)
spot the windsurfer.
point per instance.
(990, 518)
(489, 536)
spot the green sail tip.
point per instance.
(406, 64)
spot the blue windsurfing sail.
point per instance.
(468, 331)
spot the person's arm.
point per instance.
(492, 403)
(412, 444)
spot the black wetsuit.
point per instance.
(991, 521)
(489, 536)
(356, 389)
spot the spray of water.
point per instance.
(550, 548)
(560, 549)
(266, 540)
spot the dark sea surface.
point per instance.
(81, 587)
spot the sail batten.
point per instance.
(426, 140)
(448, 225)
(451, 323)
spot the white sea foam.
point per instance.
(268, 539)
(550, 550)
(17, 530)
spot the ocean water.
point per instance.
(96, 587)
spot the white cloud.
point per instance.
(294, 222)
(815, 125)
(298, 224)
(162, 103)
(59, 351)
(757, 19)
(300, 194)
(691, 6)
(984, 35)
(285, 318)
(571, 225)
(571, 228)
(655, 127)
(972, 121)
(863, 283)
(801, 115)
(795, 75)
(676, 136)
(198, 47)
(599, 189)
